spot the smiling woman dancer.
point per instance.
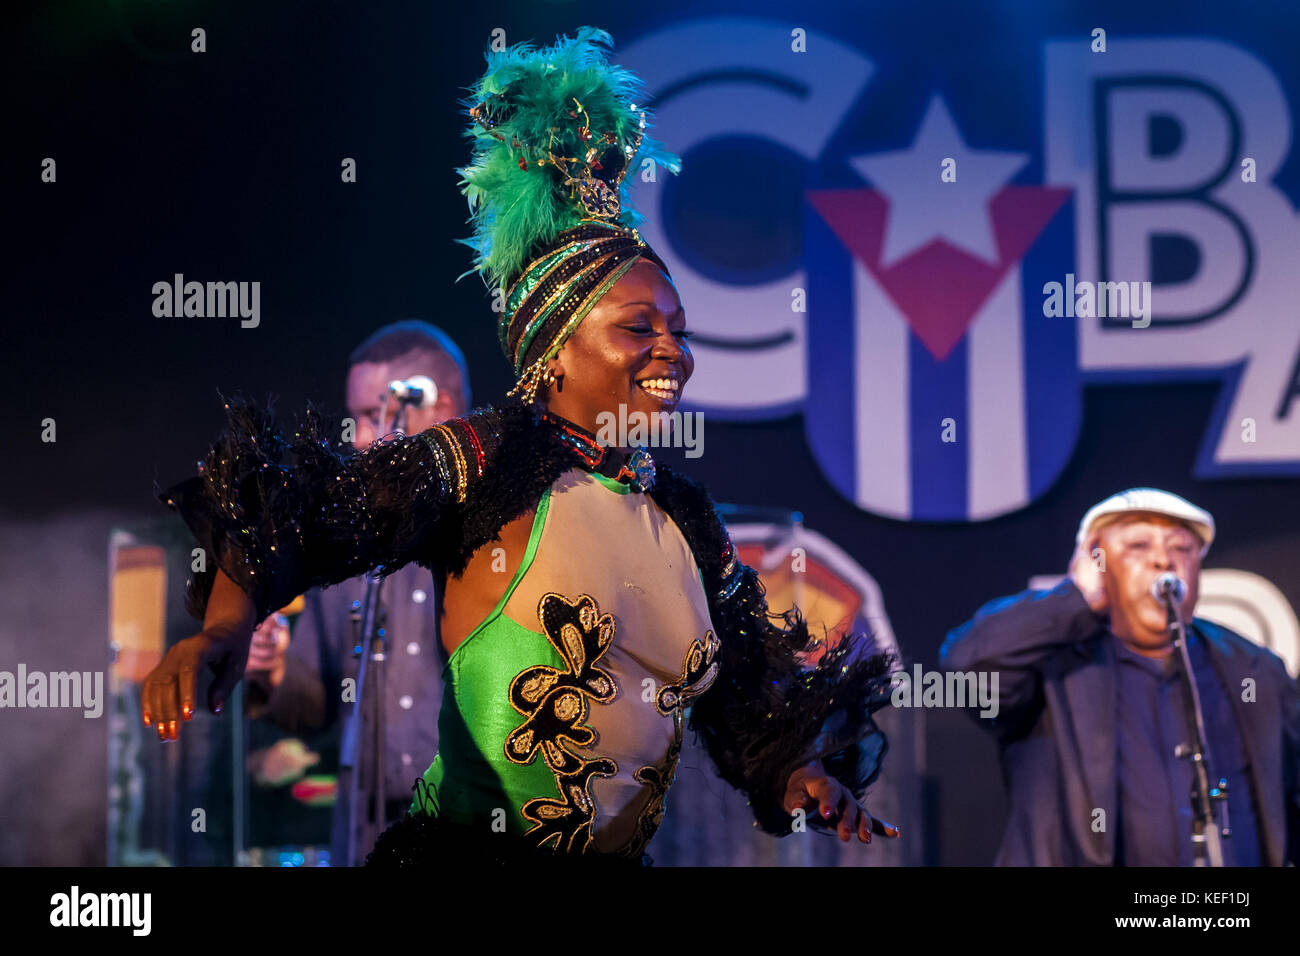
(593, 604)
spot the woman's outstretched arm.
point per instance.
(167, 695)
(788, 719)
(282, 510)
(276, 512)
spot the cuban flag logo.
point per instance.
(904, 295)
(937, 391)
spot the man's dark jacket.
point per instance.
(1056, 731)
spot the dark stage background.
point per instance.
(225, 166)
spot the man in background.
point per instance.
(1094, 724)
(298, 683)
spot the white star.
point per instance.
(921, 206)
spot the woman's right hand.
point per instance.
(167, 694)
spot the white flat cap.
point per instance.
(1150, 501)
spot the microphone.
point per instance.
(1169, 585)
(418, 391)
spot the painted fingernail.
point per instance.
(162, 732)
(187, 710)
(146, 721)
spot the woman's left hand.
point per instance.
(811, 788)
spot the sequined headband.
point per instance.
(557, 290)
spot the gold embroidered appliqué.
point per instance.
(554, 704)
(699, 670)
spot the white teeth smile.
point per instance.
(664, 389)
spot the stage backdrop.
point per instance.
(958, 271)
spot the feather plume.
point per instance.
(565, 102)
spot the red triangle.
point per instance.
(939, 288)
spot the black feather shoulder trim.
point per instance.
(283, 510)
(769, 713)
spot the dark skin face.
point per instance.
(629, 350)
(1138, 550)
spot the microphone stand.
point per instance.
(370, 696)
(1205, 799)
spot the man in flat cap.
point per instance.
(1094, 720)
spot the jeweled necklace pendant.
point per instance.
(643, 467)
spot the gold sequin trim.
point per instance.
(589, 241)
(560, 293)
(462, 469)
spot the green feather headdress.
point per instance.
(555, 132)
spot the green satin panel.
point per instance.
(471, 776)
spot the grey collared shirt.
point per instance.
(320, 658)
